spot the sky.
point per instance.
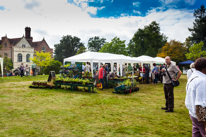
(53, 19)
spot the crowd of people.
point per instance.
(22, 70)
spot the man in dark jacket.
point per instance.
(147, 70)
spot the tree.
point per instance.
(188, 43)
(116, 46)
(82, 49)
(53, 66)
(42, 59)
(199, 26)
(67, 47)
(196, 51)
(174, 49)
(147, 41)
(95, 43)
(8, 65)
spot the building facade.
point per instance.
(19, 50)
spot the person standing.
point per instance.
(106, 71)
(161, 77)
(196, 98)
(147, 71)
(101, 76)
(115, 68)
(155, 73)
(87, 67)
(134, 68)
(21, 68)
(191, 70)
(33, 66)
(27, 70)
(168, 87)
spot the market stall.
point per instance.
(103, 58)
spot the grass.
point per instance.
(46, 112)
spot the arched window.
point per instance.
(5, 45)
(5, 54)
(27, 58)
(19, 57)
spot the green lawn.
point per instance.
(46, 112)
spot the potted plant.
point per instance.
(34, 83)
(31, 86)
(36, 86)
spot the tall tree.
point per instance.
(96, 43)
(196, 51)
(67, 47)
(175, 49)
(188, 43)
(199, 26)
(42, 59)
(82, 49)
(147, 41)
(116, 46)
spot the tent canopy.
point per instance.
(188, 62)
(101, 57)
(113, 58)
(1, 63)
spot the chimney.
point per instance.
(28, 32)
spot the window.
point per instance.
(43, 48)
(23, 46)
(5, 45)
(27, 58)
(19, 57)
(5, 54)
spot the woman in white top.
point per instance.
(87, 67)
(191, 70)
(27, 70)
(195, 100)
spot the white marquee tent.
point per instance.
(104, 58)
(113, 58)
(1, 63)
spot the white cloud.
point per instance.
(136, 4)
(138, 12)
(191, 2)
(59, 18)
(169, 1)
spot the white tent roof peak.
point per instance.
(101, 57)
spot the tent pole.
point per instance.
(112, 66)
(98, 65)
(121, 68)
(92, 68)
(118, 68)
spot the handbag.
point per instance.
(174, 83)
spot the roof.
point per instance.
(14, 41)
(35, 44)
